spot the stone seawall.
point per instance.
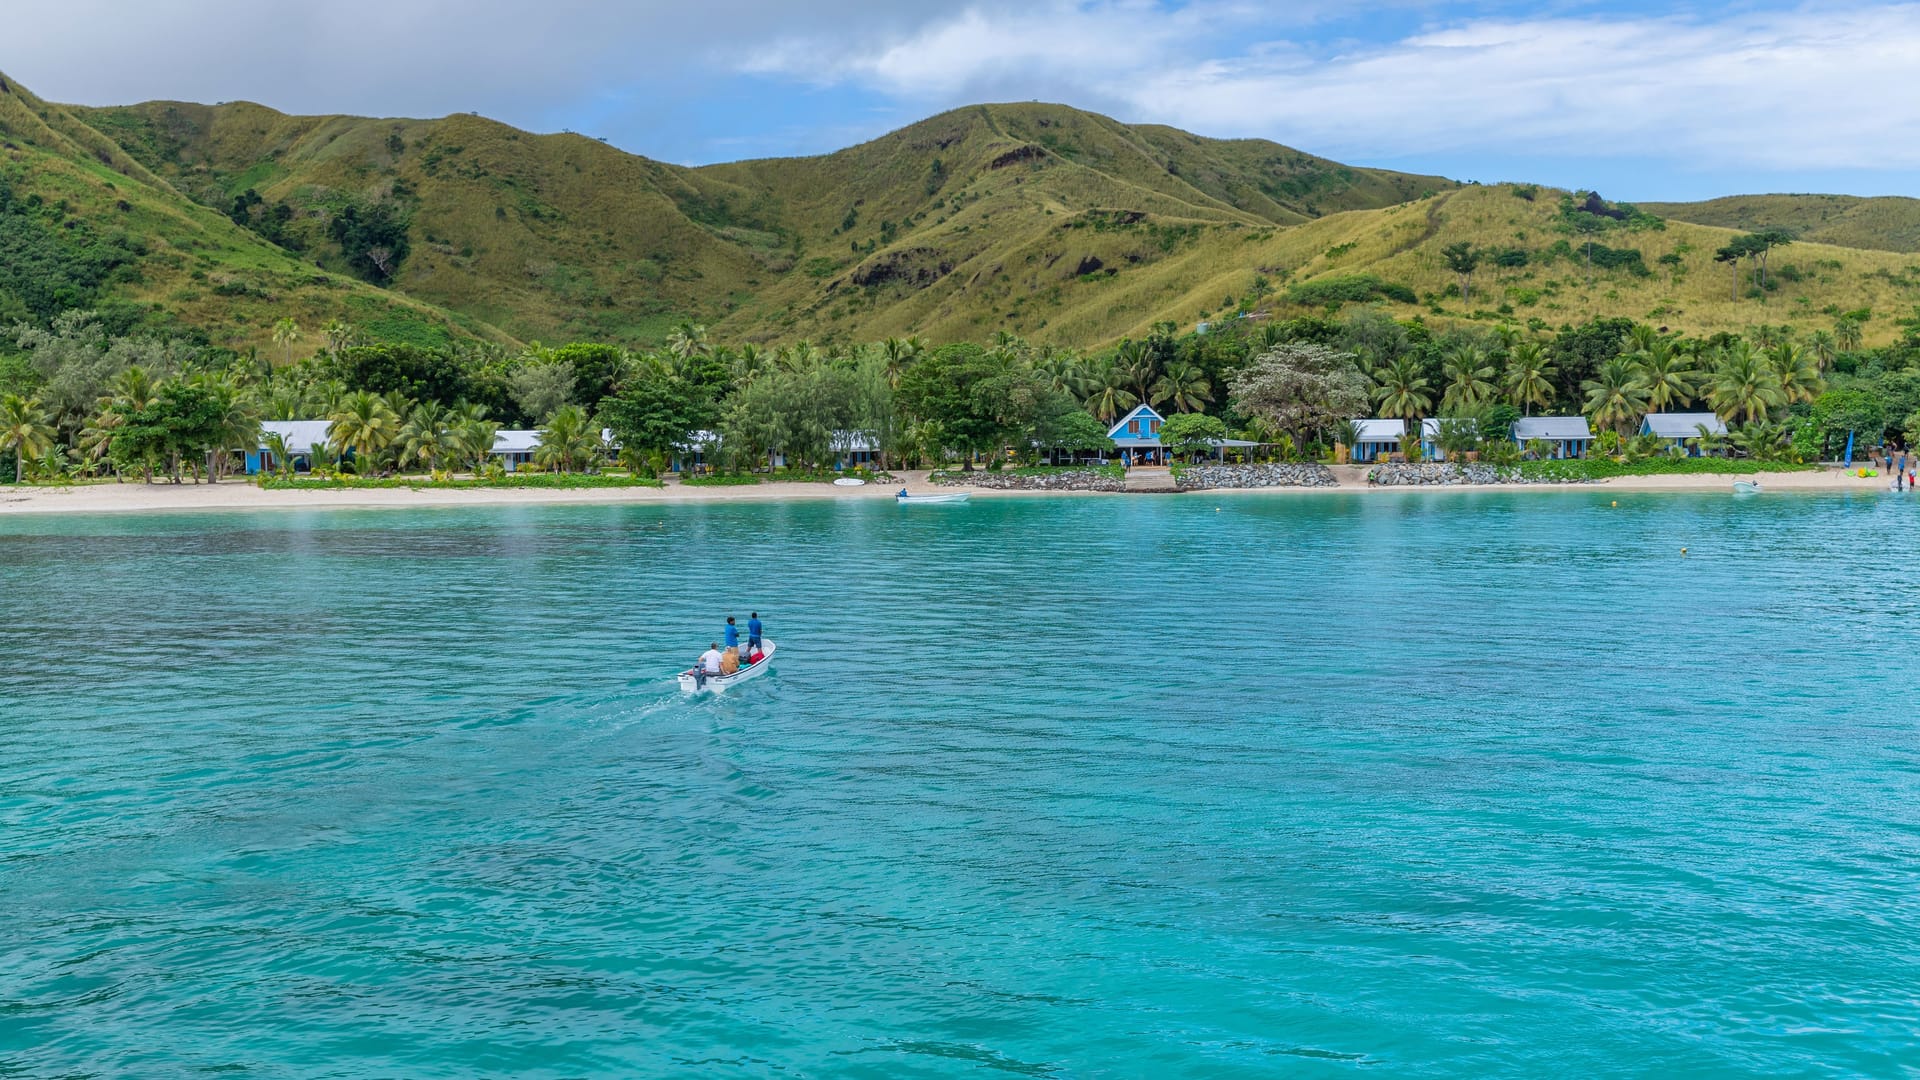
(1447, 474)
(1063, 480)
(1206, 477)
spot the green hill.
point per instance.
(83, 223)
(1887, 223)
(1059, 225)
(922, 230)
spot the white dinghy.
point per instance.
(932, 500)
(693, 682)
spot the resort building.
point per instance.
(515, 448)
(854, 450)
(1430, 435)
(1569, 436)
(1377, 438)
(1682, 429)
(300, 436)
(1137, 436)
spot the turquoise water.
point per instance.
(1408, 785)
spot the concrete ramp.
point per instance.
(1150, 478)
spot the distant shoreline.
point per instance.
(239, 496)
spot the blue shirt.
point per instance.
(733, 636)
(753, 629)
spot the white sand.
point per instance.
(239, 495)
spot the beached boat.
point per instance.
(919, 500)
(849, 481)
(691, 682)
(1746, 487)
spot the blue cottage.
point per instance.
(1137, 436)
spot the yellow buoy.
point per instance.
(1683, 551)
(1616, 502)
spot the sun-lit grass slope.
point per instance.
(82, 204)
(1808, 286)
(558, 236)
(1887, 223)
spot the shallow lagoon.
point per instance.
(1439, 784)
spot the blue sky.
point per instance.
(1640, 101)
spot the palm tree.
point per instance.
(1847, 334)
(1184, 387)
(687, 341)
(276, 446)
(1761, 440)
(472, 438)
(238, 426)
(363, 425)
(569, 441)
(285, 333)
(1109, 397)
(1743, 384)
(423, 439)
(338, 336)
(1402, 389)
(1797, 371)
(1136, 368)
(1665, 371)
(1469, 375)
(25, 430)
(1822, 347)
(1615, 395)
(1529, 376)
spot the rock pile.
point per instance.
(1053, 480)
(1202, 477)
(1445, 474)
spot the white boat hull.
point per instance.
(932, 500)
(716, 684)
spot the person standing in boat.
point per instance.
(753, 634)
(733, 634)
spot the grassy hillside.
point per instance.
(83, 223)
(561, 236)
(1878, 224)
(1060, 225)
(1809, 284)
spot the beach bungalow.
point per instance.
(1430, 435)
(1377, 438)
(1682, 429)
(515, 448)
(854, 450)
(1569, 435)
(1137, 436)
(301, 437)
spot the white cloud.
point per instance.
(1814, 88)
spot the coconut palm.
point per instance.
(569, 442)
(1616, 395)
(1135, 364)
(423, 438)
(1798, 372)
(1847, 334)
(338, 336)
(25, 430)
(1823, 348)
(471, 437)
(1469, 375)
(276, 445)
(238, 427)
(1761, 440)
(1529, 376)
(1402, 390)
(1109, 397)
(363, 425)
(1666, 371)
(1743, 384)
(1184, 388)
(687, 341)
(285, 333)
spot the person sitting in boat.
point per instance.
(711, 659)
(730, 661)
(903, 493)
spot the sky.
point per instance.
(1639, 101)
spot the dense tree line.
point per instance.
(80, 397)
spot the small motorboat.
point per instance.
(1746, 487)
(693, 682)
(931, 500)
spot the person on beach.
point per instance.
(733, 634)
(1899, 469)
(753, 633)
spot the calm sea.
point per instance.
(1400, 785)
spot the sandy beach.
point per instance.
(239, 495)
